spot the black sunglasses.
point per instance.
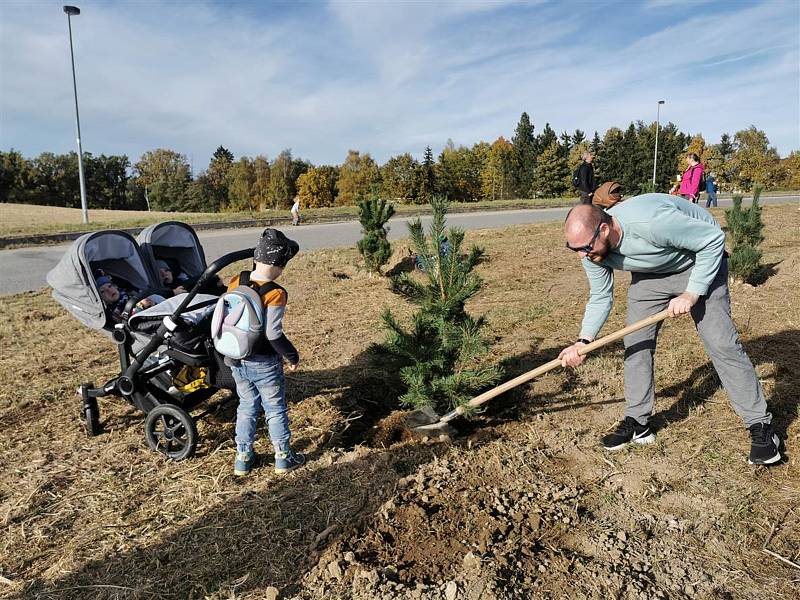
(588, 248)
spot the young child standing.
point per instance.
(260, 381)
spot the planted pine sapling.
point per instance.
(373, 214)
(441, 355)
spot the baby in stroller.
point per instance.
(173, 278)
(167, 363)
(116, 297)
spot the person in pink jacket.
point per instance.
(690, 182)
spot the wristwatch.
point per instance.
(583, 341)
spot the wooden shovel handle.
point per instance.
(556, 362)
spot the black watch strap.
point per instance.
(583, 341)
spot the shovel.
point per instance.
(425, 422)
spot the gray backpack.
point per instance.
(237, 327)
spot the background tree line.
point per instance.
(528, 165)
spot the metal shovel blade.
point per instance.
(425, 423)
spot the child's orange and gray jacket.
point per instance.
(273, 298)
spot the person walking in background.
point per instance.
(711, 190)
(690, 182)
(583, 178)
(296, 211)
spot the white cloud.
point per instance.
(383, 78)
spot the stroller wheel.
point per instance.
(90, 410)
(91, 416)
(171, 430)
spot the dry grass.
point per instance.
(19, 220)
(105, 517)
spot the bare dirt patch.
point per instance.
(521, 505)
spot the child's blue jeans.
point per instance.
(261, 384)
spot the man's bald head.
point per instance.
(583, 219)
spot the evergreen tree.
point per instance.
(547, 137)
(578, 137)
(439, 356)
(373, 214)
(746, 230)
(565, 143)
(218, 172)
(523, 156)
(726, 147)
(611, 159)
(427, 178)
(551, 173)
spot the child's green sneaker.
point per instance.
(288, 461)
(243, 463)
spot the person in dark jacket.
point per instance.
(585, 176)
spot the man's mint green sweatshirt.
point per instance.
(660, 234)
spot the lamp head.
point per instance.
(72, 11)
(661, 102)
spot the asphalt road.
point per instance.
(24, 269)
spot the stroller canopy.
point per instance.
(116, 253)
(177, 244)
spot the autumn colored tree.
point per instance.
(754, 160)
(283, 174)
(356, 177)
(496, 175)
(458, 171)
(317, 186)
(400, 178)
(791, 165)
(166, 177)
(260, 189)
(240, 183)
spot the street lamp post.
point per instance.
(655, 152)
(73, 11)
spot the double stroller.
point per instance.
(168, 364)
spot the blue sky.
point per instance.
(387, 78)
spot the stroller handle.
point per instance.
(211, 270)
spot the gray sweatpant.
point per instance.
(650, 293)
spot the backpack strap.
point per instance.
(267, 286)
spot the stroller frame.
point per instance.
(169, 426)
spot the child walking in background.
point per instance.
(296, 211)
(260, 382)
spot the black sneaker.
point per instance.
(628, 432)
(764, 446)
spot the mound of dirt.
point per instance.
(496, 522)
